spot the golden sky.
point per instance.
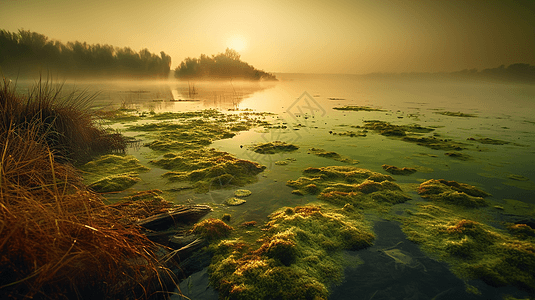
(306, 36)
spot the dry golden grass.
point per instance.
(57, 239)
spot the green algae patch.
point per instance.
(233, 201)
(299, 256)
(350, 133)
(388, 129)
(488, 141)
(452, 192)
(212, 229)
(517, 177)
(332, 155)
(458, 155)
(242, 193)
(273, 147)
(193, 130)
(455, 114)
(111, 164)
(359, 187)
(209, 169)
(473, 249)
(358, 108)
(398, 171)
(121, 116)
(435, 143)
(115, 183)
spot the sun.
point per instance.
(237, 42)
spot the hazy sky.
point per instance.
(307, 36)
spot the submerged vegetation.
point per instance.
(59, 240)
(455, 232)
(298, 256)
(340, 185)
(28, 53)
(221, 66)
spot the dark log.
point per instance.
(183, 215)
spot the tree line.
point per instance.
(221, 66)
(27, 53)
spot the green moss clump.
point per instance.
(435, 143)
(273, 147)
(352, 133)
(473, 249)
(358, 108)
(233, 201)
(298, 256)
(452, 192)
(398, 171)
(488, 141)
(347, 184)
(111, 164)
(115, 183)
(332, 155)
(242, 193)
(455, 114)
(388, 129)
(458, 155)
(209, 169)
(212, 229)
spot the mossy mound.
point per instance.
(209, 169)
(114, 183)
(212, 229)
(458, 155)
(488, 141)
(358, 108)
(388, 129)
(332, 155)
(452, 192)
(298, 256)
(273, 147)
(233, 201)
(473, 249)
(352, 133)
(455, 114)
(111, 164)
(347, 184)
(180, 131)
(242, 193)
(398, 171)
(435, 143)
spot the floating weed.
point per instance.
(473, 249)
(332, 155)
(298, 257)
(347, 184)
(452, 192)
(209, 169)
(273, 147)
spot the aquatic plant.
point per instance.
(109, 165)
(358, 108)
(347, 184)
(273, 147)
(242, 193)
(452, 192)
(298, 256)
(332, 155)
(473, 249)
(233, 201)
(398, 171)
(455, 114)
(114, 183)
(209, 169)
(211, 229)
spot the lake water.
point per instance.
(304, 105)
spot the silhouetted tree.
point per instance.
(221, 66)
(28, 52)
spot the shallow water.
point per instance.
(304, 105)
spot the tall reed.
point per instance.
(57, 239)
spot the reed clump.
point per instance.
(64, 120)
(58, 240)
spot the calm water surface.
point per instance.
(304, 104)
